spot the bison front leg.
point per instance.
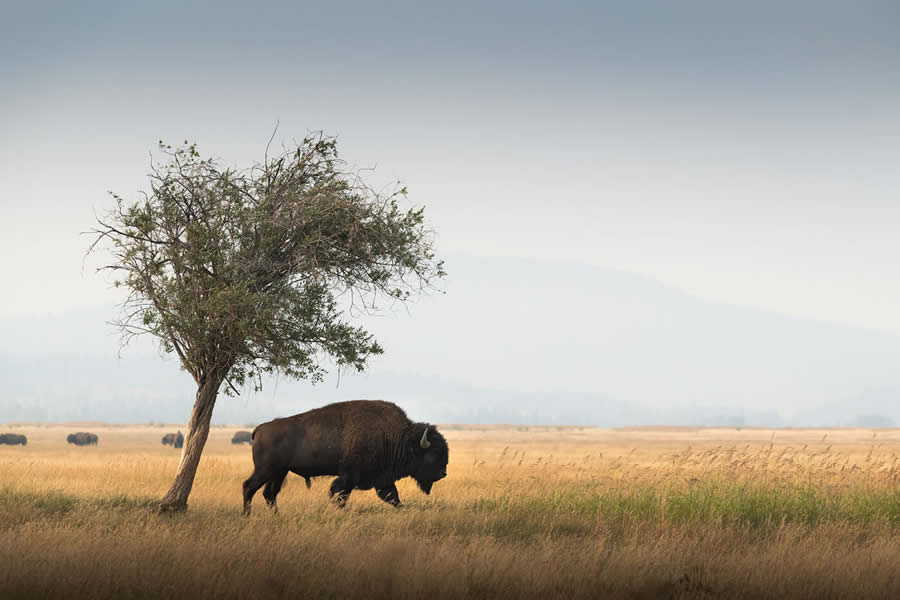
(389, 494)
(340, 491)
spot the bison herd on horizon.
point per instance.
(364, 444)
(85, 438)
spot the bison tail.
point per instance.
(308, 482)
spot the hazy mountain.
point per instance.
(512, 340)
(870, 408)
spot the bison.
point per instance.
(241, 437)
(83, 438)
(364, 443)
(13, 439)
(176, 440)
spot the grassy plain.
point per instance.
(524, 513)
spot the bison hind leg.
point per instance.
(273, 486)
(251, 486)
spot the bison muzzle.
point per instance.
(364, 443)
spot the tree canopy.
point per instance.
(242, 271)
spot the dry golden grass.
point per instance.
(524, 512)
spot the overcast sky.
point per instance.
(742, 152)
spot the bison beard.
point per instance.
(364, 443)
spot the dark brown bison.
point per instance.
(13, 439)
(365, 443)
(241, 437)
(175, 440)
(83, 438)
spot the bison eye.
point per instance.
(429, 458)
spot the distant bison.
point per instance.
(173, 439)
(365, 443)
(241, 437)
(13, 439)
(83, 438)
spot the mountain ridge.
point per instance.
(516, 339)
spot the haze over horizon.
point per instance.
(643, 207)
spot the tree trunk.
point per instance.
(198, 430)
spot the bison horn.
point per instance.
(424, 441)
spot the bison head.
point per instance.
(429, 454)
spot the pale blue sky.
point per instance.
(738, 153)
(744, 153)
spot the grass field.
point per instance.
(524, 512)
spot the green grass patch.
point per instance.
(745, 504)
(579, 512)
(41, 504)
(21, 506)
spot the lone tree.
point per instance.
(240, 272)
